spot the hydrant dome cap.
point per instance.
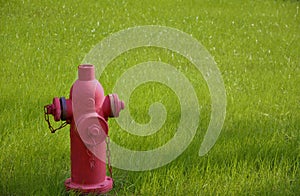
(86, 72)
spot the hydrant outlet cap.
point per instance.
(56, 111)
(122, 105)
(86, 72)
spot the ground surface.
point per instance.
(256, 45)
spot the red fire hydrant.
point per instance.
(87, 111)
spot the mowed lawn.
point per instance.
(256, 45)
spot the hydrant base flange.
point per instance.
(100, 188)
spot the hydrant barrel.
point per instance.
(86, 168)
(88, 132)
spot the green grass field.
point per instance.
(256, 45)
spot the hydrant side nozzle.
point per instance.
(55, 110)
(116, 105)
(112, 106)
(105, 108)
(66, 109)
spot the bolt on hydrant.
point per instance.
(87, 111)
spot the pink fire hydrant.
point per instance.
(87, 111)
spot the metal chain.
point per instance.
(46, 115)
(108, 156)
